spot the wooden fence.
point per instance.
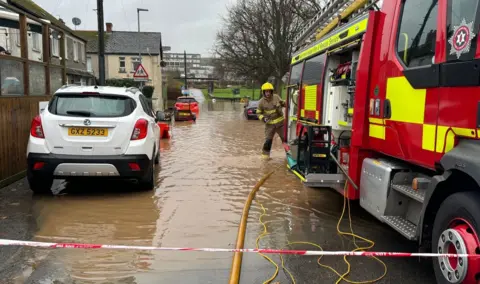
(16, 115)
(24, 83)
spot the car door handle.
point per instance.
(387, 109)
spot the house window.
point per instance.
(36, 41)
(135, 63)
(55, 47)
(17, 37)
(75, 51)
(122, 68)
(82, 52)
(69, 48)
(89, 64)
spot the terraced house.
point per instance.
(122, 56)
(38, 54)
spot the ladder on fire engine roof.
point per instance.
(328, 14)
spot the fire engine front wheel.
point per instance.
(455, 231)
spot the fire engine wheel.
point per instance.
(455, 231)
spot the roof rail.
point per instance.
(132, 89)
(324, 15)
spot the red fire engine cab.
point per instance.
(389, 104)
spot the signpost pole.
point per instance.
(140, 42)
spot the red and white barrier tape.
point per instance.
(4, 242)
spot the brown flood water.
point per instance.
(206, 172)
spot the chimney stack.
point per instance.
(109, 27)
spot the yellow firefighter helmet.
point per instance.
(267, 87)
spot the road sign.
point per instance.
(140, 74)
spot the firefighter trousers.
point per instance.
(270, 130)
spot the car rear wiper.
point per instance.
(80, 112)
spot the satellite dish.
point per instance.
(76, 21)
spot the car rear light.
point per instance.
(36, 130)
(249, 111)
(140, 130)
(134, 166)
(38, 165)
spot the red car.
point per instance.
(185, 108)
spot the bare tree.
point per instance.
(307, 9)
(256, 40)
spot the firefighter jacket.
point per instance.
(271, 109)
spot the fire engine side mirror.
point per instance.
(160, 116)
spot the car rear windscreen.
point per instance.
(186, 100)
(91, 105)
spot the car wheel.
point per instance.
(148, 182)
(157, 157)
(41, 185)
(455, 230)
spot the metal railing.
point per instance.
(331, 11)
(327, 13)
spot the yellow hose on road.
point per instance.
(237, 257)
(342, 277)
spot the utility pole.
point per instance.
(101, 43)
(140, 42)
(185, 68)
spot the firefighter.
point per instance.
(269, 110)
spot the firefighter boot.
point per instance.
(267, 146)
(287, 149)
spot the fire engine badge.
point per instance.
(461, 40)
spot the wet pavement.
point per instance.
(206, 172)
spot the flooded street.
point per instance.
(205, 175)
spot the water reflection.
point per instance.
(206, 172)
(106, 213)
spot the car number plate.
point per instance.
(87, 131)
(184, 113)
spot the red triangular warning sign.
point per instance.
(140, 72)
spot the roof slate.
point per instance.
(121, 42)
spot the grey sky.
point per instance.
(185, 24)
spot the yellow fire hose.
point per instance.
(237, 257)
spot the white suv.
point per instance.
(92, 131)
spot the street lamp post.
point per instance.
(140, 42)
(101, 44)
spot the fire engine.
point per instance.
(384, 107)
